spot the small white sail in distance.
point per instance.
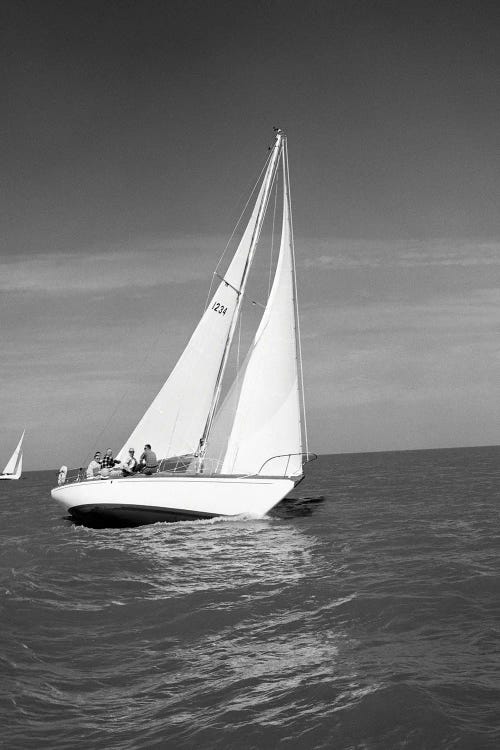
(266, 421)
(176, 419)
(14, 466)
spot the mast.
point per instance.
(298, 344)
(268, 182)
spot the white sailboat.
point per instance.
(14, 466)
(244, 455)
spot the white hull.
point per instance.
(9, 476)
(140, 500)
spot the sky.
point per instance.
(132, 133)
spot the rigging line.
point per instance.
(239, 374)
(272, 239)
(274, 186)
(238, 292)
(225, 406)
(285, 158)
(257, 181)
(238, 351)
(126, 392)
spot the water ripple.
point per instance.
(368, 620)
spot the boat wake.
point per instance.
(296, 506)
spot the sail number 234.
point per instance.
(219, 308)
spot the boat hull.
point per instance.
(135, 501)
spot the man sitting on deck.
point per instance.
(149, 462)
(130, 464)
(94, 466)
(107, 464)
(108, 461)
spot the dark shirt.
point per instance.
(107, 462)
(149, 459)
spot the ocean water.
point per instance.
(365, 618)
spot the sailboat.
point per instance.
(14, 467)
(231, 456)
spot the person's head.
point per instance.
(109, 452)
(131, 451)
(97, 455)
(147, 447)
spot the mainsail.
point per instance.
(180, 415)
(14, 465)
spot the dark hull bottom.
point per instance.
(125, 516)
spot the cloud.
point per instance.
(145, 264)
(444, 352)
(338, 262)
(153, 262)
(473, 311)
(339, 254)
(393, 358)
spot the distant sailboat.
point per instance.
(14, 467)
(240, 457)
